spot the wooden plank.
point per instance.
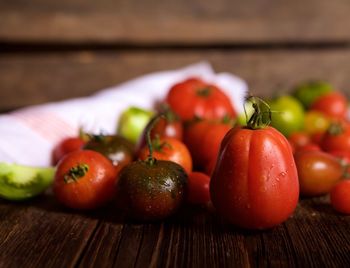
(179, 22)
(41, 77)
(40, 233)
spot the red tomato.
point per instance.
(169, 149)
(255, 182)
(336, 138)
(333, 104)
(84, 180)
(309, 147)
(318, 172)
(196, 98)
(66, 146)
(167, 126)
(198, 188)
(203, 139)
(340, 197)
(298, 139)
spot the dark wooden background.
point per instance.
(53, 50)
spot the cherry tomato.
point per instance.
(298, 139)
(318, 172)
(333, 104)
(315, 122)
(117, 149)
(170, 149)
(84, 180)
(66, 146)
(167, 126)
(203, 139)
(288, 115)
(309, 147)
(255, 183)
(340, 197)
(309, 91)
(196, 98)
(198, 188)
(336, 138)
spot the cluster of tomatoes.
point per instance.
(197, 149)
(321, 143)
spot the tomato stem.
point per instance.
(150, 159)
(204, 92)
(76, 172)
(261, 117)
(335, 129)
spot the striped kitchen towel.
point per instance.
(28, 135)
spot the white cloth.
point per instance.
(28, 135)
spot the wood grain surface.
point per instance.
(42, 233)
(180, 22)
(28, 78)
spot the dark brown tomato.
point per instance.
(151, 191)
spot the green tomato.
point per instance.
(243, 117)
(287, 114)
(308, 92)
(132, 123)
(19, 182)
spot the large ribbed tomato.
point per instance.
(196, 98)
(255, 181)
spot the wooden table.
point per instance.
(69, 48)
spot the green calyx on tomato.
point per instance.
(132, 123)
(261, 116)
(76, 172)
(287, 115)
(204, 92)
(335, 128)
(308, 92)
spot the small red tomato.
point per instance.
(198, 188)
(298, 139)
(333, 104)
(340, 197)
(309, 147)
(203, 139)
(84, 180)
(66, 146)
(196, 98)
(169, 149)
(336, 138)
(318, 172)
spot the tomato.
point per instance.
(117, 149)
(66, 146)
(298, 139)
(170, 149)
(287, 115)
(168, 125)
(196, 98)
(315, 122)
(309, 147)
(336, 138)
(152, 189)
(318, 172)
(333, 104)
(132, 122)
(308, 92)
(255, 183)
(340, 197)
(198, 188)
(203, 139)
(84, 180)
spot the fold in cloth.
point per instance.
(28, 135)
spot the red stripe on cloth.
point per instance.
(47, 125)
